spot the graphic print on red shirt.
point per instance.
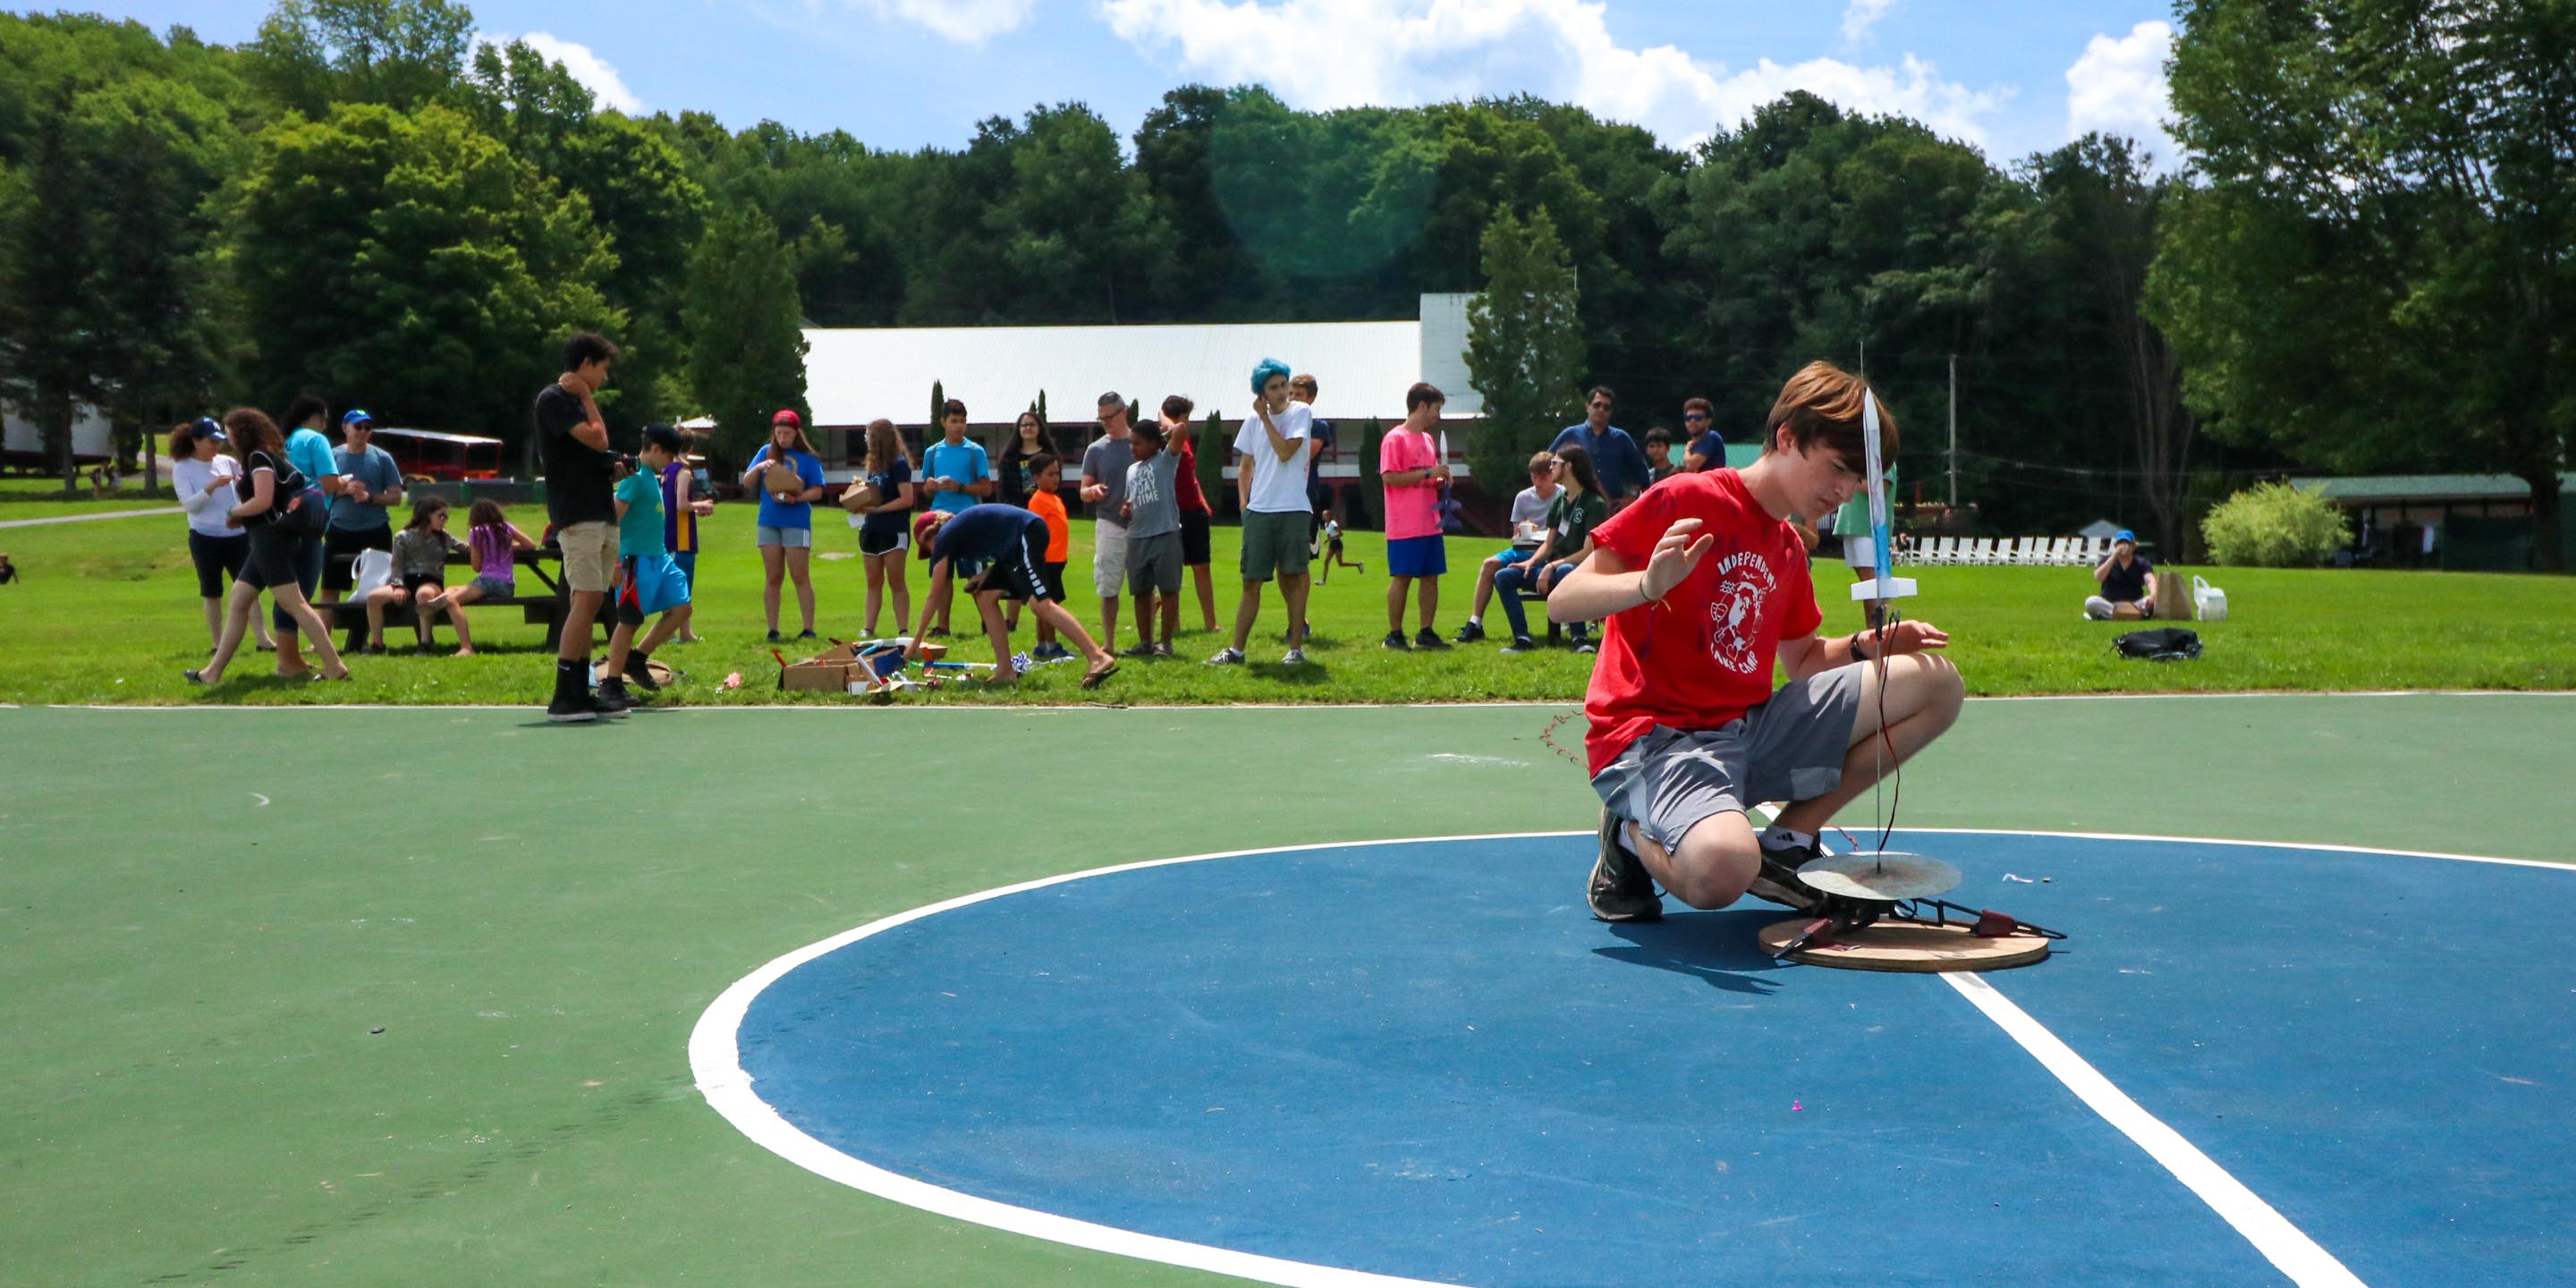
(1705, 654)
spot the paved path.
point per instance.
(84, 518)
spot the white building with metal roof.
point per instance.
(1361, 369)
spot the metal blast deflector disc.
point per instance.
(1881, 875)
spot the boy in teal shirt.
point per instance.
(648, 580)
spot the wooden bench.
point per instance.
(548, 607)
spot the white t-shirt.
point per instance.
(1278, 487)
(206, 492)
(1529, 507)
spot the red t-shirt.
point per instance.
(1704, 655)
(1192, 500)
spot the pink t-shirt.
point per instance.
(1410, 511)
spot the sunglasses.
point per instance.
(1692, 415)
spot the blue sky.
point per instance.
(2013, 76)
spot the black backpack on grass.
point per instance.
(2167, 644)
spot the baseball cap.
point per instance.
(787, 416)
(357, 416)
(205, 427)
(665, 437)
(2125, 535)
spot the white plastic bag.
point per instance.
(2208, 602)
(375, 568)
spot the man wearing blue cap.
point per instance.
(360, 518)
(2128, 582)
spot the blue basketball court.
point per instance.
(1424, 1061)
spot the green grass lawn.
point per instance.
(108, 614)
(25, 497)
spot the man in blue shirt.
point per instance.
(1616, 459)
(360, 519)
(309, 451)
(2128, 582)
(1706, 448)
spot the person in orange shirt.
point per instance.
(1046, 476)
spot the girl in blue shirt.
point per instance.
(789, 477)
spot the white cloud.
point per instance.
(1861, 15)
(1321, 54)
(968, 22)
(2118, 87)
(589, 68)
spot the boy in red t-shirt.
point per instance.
(1704, 581)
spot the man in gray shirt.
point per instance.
(1104, 485)
(1153, 515)
(360, 518)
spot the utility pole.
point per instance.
(1954, 434)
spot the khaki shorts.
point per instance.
(1108, 558)
(1275, 544)
(590, 556)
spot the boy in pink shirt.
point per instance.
(1409, 465)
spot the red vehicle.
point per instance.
(445, 458)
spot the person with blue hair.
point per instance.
(1273, 443)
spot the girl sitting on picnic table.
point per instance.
(493, 544)
(1578, 508)
(419, 577)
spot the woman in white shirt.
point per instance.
(202, 472)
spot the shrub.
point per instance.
(2274, 525)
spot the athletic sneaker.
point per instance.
(1521, 644)
(639, 670)
(611, 699)
(1227, 657)
(1295, 657)
(571, 709)
(1393, 640)
(1469, 633)
(1778, 881)
(1429, 639)
(1620, 889)
(1163, 649)
(1584, 646)
(776, 638)
(1138, 649)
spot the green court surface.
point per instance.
(211, 912)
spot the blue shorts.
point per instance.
(1517, 554)
(1417, 557)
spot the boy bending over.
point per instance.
(1705, 584)
(997, 550)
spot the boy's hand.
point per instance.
(1674, 558)
(1907, 636)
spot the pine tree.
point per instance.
(1524, 342)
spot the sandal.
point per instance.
(1091, 679)
(197, 678)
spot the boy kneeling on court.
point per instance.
(997, 550)
(1705, 584)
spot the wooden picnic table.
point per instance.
(549, 607)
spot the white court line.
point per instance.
(2280, 1242)
(1054, 708)
(715, 1063)
(715, 1060)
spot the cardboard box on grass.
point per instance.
(825, 672)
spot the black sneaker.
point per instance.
(1430, 639)
(610, 699)
(1469, 633)
(1620, 889)
(1778, 881)
(1521, 644)
(776, 638)
(1393, 640)
(639, 669)
(571, 708)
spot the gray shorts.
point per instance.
(784, 538)
(1790, 748)
(1154, 563)
(1274, 544)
